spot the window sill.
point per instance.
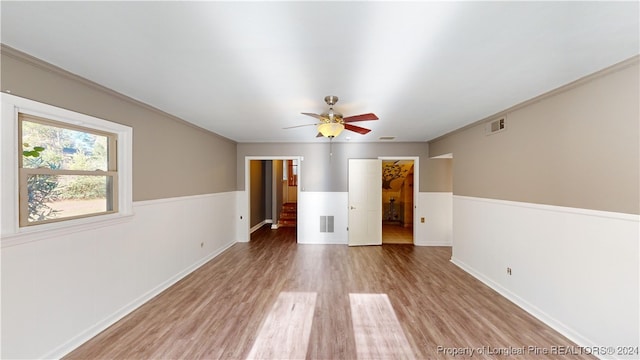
(46, 231)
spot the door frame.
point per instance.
(416, 188)
(245, 231)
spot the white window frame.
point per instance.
(10, 230)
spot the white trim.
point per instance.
(151, 256)
(46, 231)
(526, 306)
(556, 208)
(435, 243)
(624, 64)
(177, 199)
(443, 156)
(258, 226)
(94, 330)
(9, 212)
(245, 231)
(22, 57)
(559, 250)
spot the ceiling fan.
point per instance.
(332, 122)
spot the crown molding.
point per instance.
(23, 57)
(634, 60)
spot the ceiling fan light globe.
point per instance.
(330, 130)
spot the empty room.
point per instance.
(319, 180)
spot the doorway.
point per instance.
(272, 193)
(398, 200)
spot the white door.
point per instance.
(365, 202)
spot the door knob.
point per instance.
(352, 208)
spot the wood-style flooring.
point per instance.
(397, 234)
(257, 299)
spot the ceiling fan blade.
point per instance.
(313, 115)
(358, 129)
(297, 126)
(361, 117)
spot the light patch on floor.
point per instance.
(397, 234)
(286, 330)
(378, 333)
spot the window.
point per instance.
(60, 169)
(65, 171)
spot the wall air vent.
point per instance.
(496, 126)
(326, 224)
(387, 138)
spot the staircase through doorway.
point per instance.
(288, 215)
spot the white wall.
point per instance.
(58, 292)
(436, 208)
(575, 269)
(312, 205)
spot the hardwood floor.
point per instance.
(397, 234)
(222, 309)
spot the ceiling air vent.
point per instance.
(387, 138)
(495, 126)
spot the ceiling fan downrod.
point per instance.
(332, 115)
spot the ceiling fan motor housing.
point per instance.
(331, 100)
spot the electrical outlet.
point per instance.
(508, 271)
(422, 219)
(202, 244)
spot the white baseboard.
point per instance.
(526, 306)
(584, 262)
(94, 330)
(163, 242)
(259, 225)
(435, 243)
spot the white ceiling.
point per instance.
(245, 70)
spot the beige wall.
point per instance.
(171, 158)
(321, 172)
(576, 147)
(439, 175)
